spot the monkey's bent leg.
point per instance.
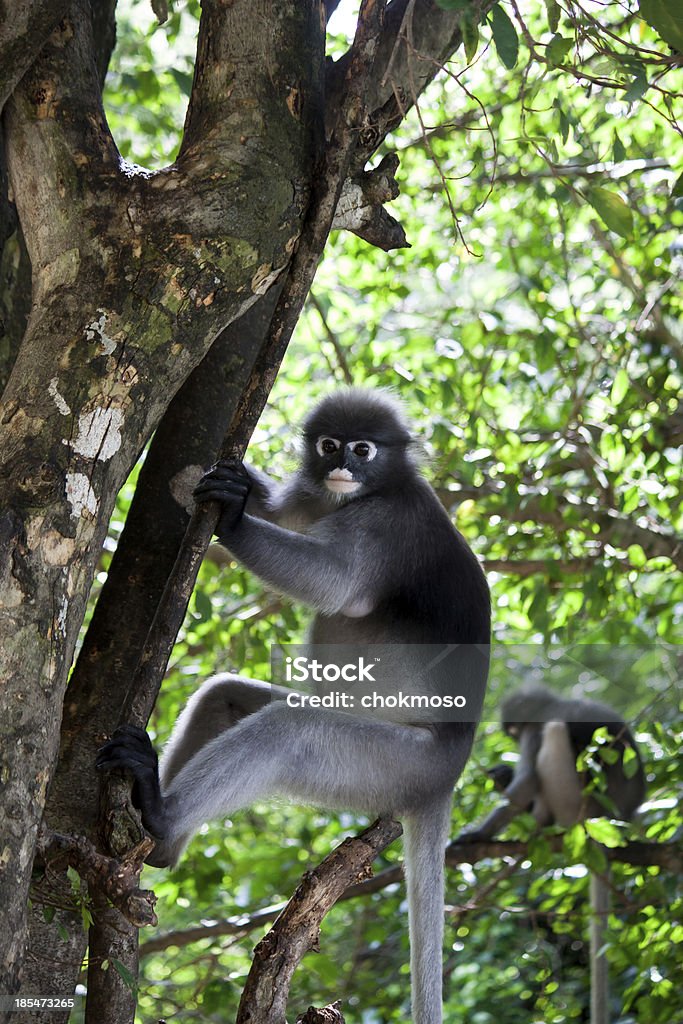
(219, 704)
(325, 758)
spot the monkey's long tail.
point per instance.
(425, 834)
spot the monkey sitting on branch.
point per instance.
(552, 732)
(358, 535)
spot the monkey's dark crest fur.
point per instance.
(358, 535)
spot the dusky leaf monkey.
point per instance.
(552, 733)
(359, 536)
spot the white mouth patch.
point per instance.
(340, 481)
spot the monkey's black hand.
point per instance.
(131, 748)
(227, 482)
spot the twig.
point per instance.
(115, 879)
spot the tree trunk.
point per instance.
(134, 275)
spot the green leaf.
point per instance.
(612, 209)
(595, 858)
(74, 878)
(618, 149)
(636, 556)
(504, 37)
(677, 190)
(470, 36)
(620, 386)
(203, 606)
(630, 762)
(638, 84)
(128, 978)
(564, 122)
(558, 48)
(574, 842)
(605, 832)
(666, 18)
(553, 11)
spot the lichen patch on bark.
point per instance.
(80, 495)
(99, 433)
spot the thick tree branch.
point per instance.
(667, 856)
(297, 929)
(326, 191)
(322, 1015)
(185, 442)
(555, 569)
(23, 33)
(417, 39)
(360, 208)
(132, 283)
(52, 120)
(115, 879)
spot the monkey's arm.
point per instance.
(305, 567)
(520, 794)
(328, 576)
(262, 500)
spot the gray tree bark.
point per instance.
(134, 275)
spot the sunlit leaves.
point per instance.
(554, 11)
(612, 209)
(639, 81)
(558, 48)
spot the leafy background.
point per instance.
(533, 330)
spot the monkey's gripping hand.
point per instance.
(131, 748)
(227, 482)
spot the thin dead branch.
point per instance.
(115, 879)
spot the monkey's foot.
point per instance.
(130, 749)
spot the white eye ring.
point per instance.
(371, 446)
(323, 440)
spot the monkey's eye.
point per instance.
(364, 449)
(327, 445)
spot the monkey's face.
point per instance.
(344, 466)
(355, 443)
